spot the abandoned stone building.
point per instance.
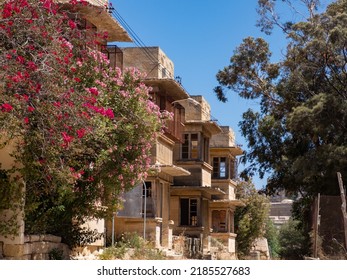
(190, 190)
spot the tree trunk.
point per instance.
(343, 206)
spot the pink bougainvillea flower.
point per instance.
(20, 59)
(81, 132)
(93, 91)
(109, 113)
(6, 107)
(56, 104)
(72, 24)
(31, 65)
(67, 139)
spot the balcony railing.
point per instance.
(174, 127)
(114, 54)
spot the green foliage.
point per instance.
(81, 131)
(271, 234)
(250, 220)
(56, 254)
(112, 253)
(136, 247)
(299, 134)
(294, 242)
(11, 203)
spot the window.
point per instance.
(206, 154)
(189, 212)
(220, 168)
(219, 221)
(190, 146)
(147, 200)
(163, 72)
(233, 169)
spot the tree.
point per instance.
(271, 235)
(250, 220)
(294, 244)
(82, 131)
(299, 134)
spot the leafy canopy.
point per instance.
(299, 134)
(251, 219)
(81, 130)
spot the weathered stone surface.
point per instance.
(40, 256)
(1, 250)
(33, 238)
(51, 238)
(42, 247)
(24, 257)
(16, 250)
(13, 239)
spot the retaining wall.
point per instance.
(35, 247)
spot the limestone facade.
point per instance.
(182, 197)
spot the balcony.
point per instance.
(174, 128)
(224, 143)
(149, 60)
(114, 55)
(98, 13)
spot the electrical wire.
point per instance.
(139, 43)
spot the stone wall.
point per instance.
(152, 61)
(260, 250)
(35, 247)
(224, 139)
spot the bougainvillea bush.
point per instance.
(83, 131)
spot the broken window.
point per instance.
(189, 212)
(147, 202)
(219, 221)
(190, 146)
(220, 168)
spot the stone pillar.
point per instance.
(16, 212)
(158, 232)
(203, 240)
(208, 243)
(170, 225)
(18, 215)
(231, 245)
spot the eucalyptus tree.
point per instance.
(299, 133)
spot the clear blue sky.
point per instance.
(200, 37)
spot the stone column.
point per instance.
(14, 246)
(170, 226)
(159, 222)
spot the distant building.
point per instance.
(280, 209)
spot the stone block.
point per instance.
(51, 238)
(40, 256)
(1, 250)
(24, 257)
(16, 250)
(42, 247)
(32, 238)
(14, 239)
